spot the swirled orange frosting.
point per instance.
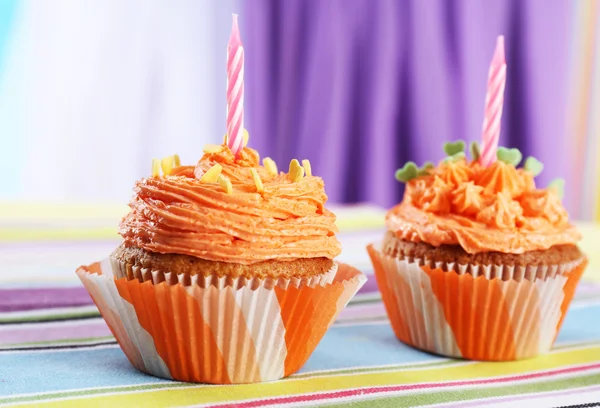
(481, 209)
(179, 214)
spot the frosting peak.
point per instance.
(181, 214)
(500, 178)
(495, 208)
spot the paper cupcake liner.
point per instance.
(230, 332)
(495, 313)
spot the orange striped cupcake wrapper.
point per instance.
(494, 313)
(233, 332)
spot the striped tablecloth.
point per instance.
(56, 351)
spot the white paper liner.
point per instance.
(531, 295)
(244, 322)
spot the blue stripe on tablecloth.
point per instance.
(108, 366)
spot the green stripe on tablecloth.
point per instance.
(475, 393)
(365, 370)
(52, 343)
(13, 235)
(50, 317)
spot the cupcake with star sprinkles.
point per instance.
(226, 273)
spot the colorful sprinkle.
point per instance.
(307, 167)
(225, 184)
(533, 165)
(407, 172)
(451, 148)
(246, 137)
(558, 186)
(475, 150)
(424, 170)
(257, 181)
(212, 174)
(167, 165)
(155, 167)
(176, 160)
(509, 156)
(213, 148)
(271, 166)
(455, 157)
(296, 172)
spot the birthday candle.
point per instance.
(494, 101)
(235, 90)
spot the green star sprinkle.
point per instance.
(475, 150)
(558, 185)
(424, 170)
(533, 165)
(509, 156)
(455, 157)
(452, 148)
(407, 172)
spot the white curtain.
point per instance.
(91, 90)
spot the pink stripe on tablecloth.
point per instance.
(407, 387)
(18, 300)
(66, 330)
(363, 311)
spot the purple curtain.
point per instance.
(361, 86)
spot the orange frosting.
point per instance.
(481, 209)
(179, 214)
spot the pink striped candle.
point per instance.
(494, 100)
(235, 90)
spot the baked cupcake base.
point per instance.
(475, 310)
(190, 265)
(219, 330)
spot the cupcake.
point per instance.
(226, 272)
(477, 262)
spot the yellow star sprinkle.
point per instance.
(213, 148)
(246, 136)
(307, 167)
(167, 165)
(271, 166)
(225, 184)
(155, 167)
(212, 174)
(296, 171)
(176, 160)
(257, 181)
(225, 139)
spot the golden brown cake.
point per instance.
(186, 223)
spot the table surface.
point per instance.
(55, 350)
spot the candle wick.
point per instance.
(499, 57)
(235, 29)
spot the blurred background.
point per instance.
(91, 91)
